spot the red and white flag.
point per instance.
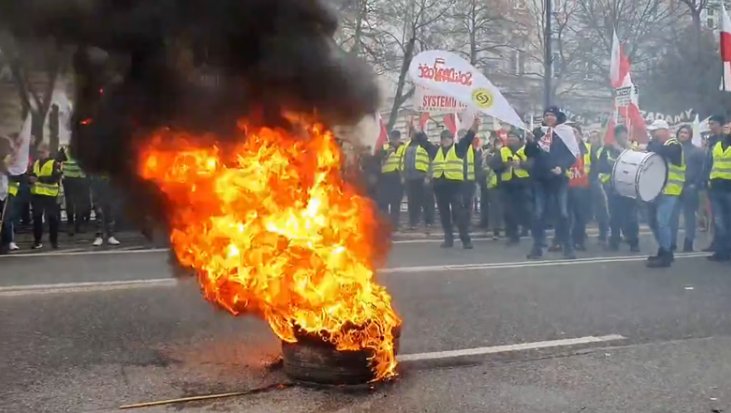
(383, 136)
(725, 49)
(619, 66)
(451, 122)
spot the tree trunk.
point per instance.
(399, 97)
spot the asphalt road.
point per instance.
(88, 332)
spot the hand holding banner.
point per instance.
(448, 73)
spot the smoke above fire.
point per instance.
(194, 65)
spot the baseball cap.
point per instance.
(658, 124)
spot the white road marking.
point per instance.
(480, 351)
(527, 264)
(80, 287)
(71, 253)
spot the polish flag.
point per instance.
(725, 49)
(383, 136)
(619, 66)
(451, 122)
(423, 121)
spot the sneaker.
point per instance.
(535, 254)
(13, 246)
(634, 248)
(660, 254)
(663, 261)
(54, 245)
(37, 246)
(580, 247)
(98, 242)
(555, 248)
(112, 241)
(569, 255)
(467, 245)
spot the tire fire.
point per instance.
(271, 228)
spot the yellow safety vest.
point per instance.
(505, 154)
(469, 164)
(422, 158)
(676, 174)
(721, 162)
(491, 177)
(393, 162)
(40, 188)
(450, 167)
(13, 188)
(71, 168)
(605, 177)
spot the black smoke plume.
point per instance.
(196, 65)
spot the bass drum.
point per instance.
(639, 175)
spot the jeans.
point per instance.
(544, 195)
(688, 204)
(468, 195)
(78, 202)
(661, 217)
(721, 204)
(6, 232)
(579, 200)
(105, 207)
(622, 219)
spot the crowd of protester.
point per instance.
(526, 182)
(54, 183)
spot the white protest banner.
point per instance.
(449, 74)
(426, 100)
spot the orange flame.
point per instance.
(271, 228)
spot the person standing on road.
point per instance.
(105, 210)
(472, 164)
(689, 198)
(598, 202)
(719, 189)
(512, 165)
(662, 208)
(623, 214)
(76, 192)
(716, 125)
(579, 192)
(551, 160)
(415, 166)
(491, 203)
(390, 188)
(45, 179)
(448, 177)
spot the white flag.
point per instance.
(448, 73)
(567, 136)
(19, 158)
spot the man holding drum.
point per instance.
(661, 209)
(622, 210)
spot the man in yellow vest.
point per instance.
(76, 192)
(448, 176)
(623, 214)
(512, 167)
(472, 163)
(719, 189)
(491, 211)
(661, 209)
(390, 189)
(415, 167)
(45, 178)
